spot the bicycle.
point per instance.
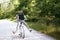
(22, 34)
(22, 30)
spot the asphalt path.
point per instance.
(7, 26)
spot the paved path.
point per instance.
(7, 26)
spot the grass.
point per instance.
(55, 35)
(49, 30)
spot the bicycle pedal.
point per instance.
(30, 30)
(23, 37)
(20, 35)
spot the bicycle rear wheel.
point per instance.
(23, 32)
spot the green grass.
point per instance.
(55, 35)
(49, 30)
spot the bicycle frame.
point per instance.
(22, 30)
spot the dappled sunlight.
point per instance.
(2, 1)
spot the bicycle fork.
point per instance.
(22, 33)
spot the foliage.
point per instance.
(42, 12)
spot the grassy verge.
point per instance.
(49, 30)
(55, 35)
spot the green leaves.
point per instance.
(35, 9)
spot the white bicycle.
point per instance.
(22, 32)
